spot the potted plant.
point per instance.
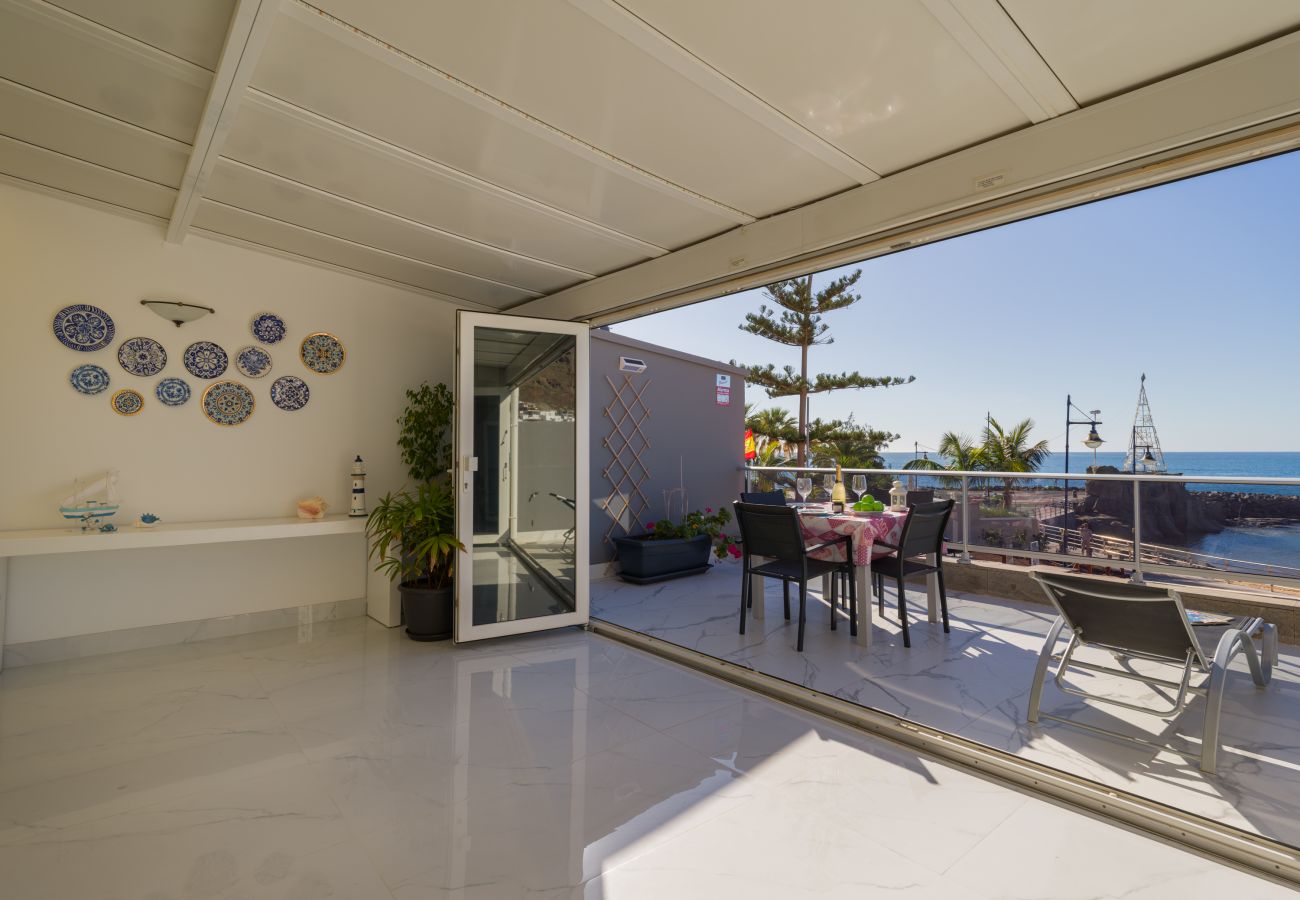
(671, 549)
(412, 531)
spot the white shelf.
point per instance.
(128, 537)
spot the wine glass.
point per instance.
(803, 487)
(859, 485)
(828, 482)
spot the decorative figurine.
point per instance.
(358, 489)
(107, 528)
(97, 500)
(147, 520)
(312, 508)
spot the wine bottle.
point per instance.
(837, 492)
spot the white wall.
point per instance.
(173, 461)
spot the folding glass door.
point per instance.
(521, 475)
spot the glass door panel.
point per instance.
(522, 487)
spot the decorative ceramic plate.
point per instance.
(204, 359)
(89, 379)
(254, 362)
(84, 327)
(172, 392)
(127, 402)
(268, 328)
(290, 392)
(323, 352)
(228, 403)
(142, 356)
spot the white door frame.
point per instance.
(464, 464)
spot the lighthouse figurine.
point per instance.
(358, 489)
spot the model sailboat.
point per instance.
(92, 502)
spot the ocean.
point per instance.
(1255, 465)
(1279, 545)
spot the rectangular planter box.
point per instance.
(642, 561)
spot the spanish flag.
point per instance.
(751, 450)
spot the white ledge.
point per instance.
(128, 537)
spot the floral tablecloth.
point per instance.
(866, 531)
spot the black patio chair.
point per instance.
(770, 498)
(1131, 621)
(920, 495)
(773, 532)
(922, 535)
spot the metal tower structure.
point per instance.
(1144, 454)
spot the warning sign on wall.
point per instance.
(724, 390)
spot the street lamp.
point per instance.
(1092, 442)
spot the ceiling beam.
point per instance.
(997, 45)
(1254, 89)
(249, 26)
(655, 43)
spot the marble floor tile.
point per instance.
(975, 680)
(355, 763)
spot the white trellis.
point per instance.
(626, 443)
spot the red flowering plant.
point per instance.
(694, 524)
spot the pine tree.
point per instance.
(798, 323)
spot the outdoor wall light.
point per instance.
(176, 311)
(631, 364)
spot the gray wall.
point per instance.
(686, 428)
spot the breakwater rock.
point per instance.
(1271, 508)
(1170, 513)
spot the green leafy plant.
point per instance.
(426, 448)
(412, 531)
(992, 537)
(412, 537)
(694, 524)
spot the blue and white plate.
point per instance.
(204, 359)
(268, 328)
(142, 356)
(172, 392)
(127, 402)
(290, 392)
(254, 362)
(89, 379)
(84, 327)
(322, 352)
(228, 403)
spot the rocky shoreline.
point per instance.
(1171, 514)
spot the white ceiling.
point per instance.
(498, 151)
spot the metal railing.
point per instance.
(1143, 558)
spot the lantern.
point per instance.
(898, 497)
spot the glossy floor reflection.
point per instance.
(350, 762)
(975, 682)
(507, 589)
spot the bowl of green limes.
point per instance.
(869, 505)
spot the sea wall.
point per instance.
(1251, 506)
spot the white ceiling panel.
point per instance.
(1102, 47)
(44, 167)
(87, 135)
(321, 66)
(250, 189)
(305, 148)
(556, 63)
(61, 54)
(191, 29)
(270, 195)
(884, 82)
(246, 226)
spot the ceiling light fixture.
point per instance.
(176, 311)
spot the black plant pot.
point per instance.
(642, 561)
(426, 611)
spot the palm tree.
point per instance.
(772, 454)
(960, 453)
(771, 425)
(1009, 450)
(851, 453)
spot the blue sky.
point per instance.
(1194, 283)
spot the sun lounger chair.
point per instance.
(1137, 622)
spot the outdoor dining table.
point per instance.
(868, 531)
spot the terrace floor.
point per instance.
(975, 682)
